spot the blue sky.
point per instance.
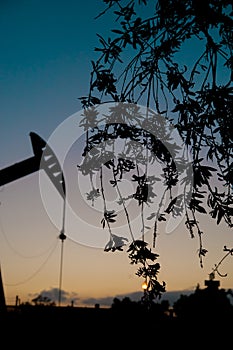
(44, 66)
(46, 49)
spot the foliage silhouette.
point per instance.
(210, 303)
(144, 62)
(43, 300)
(157, 310)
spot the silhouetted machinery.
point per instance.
(44, 159)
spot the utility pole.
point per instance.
(2, 296)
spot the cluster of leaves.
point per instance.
(140, 254)
(140, 149)
(143, 61)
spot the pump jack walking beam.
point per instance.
(43, 159)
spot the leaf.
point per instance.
(151, 216)
(117, 31)
(145, 227)
(221, 213)
(108, 246)
(103, 222)
(198, 194)
(200, 209)
(203, 251)
(161, 217)
(171, 205)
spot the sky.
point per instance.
(46, 50)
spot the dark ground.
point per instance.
(76, 328)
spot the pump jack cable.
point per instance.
(62, 237)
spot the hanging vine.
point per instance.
(143, 63)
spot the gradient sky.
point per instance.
(46, 48)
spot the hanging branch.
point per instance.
(115, 242)
(216, 266)
(143, 62)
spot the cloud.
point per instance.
(107, 301)
(72, 297)
(171, 296)
(53, 293)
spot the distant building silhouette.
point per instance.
(212, 285)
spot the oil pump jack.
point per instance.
(43, 159)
